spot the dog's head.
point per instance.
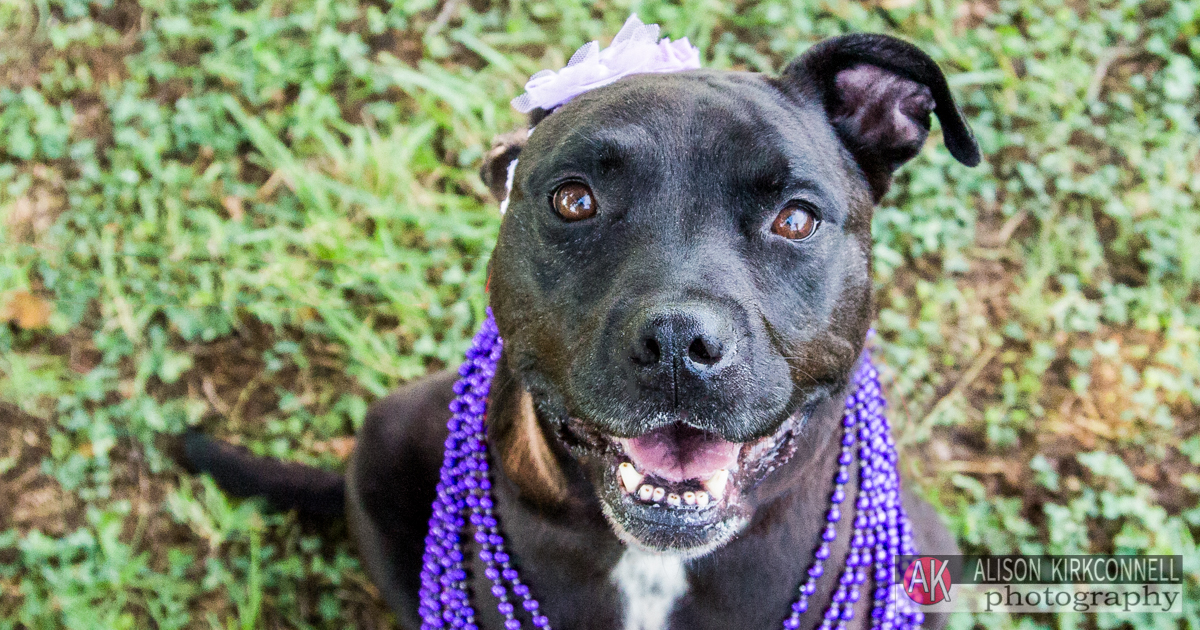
(683, 273)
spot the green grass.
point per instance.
(266, 215)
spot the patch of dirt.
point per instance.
(124, 16)
(1125, 263)
(232, 378)
(970, 15)
(30, 499)
(31, 214)
(19, 60)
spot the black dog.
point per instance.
(683, 284)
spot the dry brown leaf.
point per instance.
(269, 187)
(34, 213)
(341, 447)
(972, 14)
(27, 310)
(233, 205)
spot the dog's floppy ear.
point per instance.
(878, 92)
(505, 149)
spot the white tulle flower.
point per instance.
(635, 50)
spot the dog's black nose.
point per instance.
(696, 341)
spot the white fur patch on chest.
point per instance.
(650, 585)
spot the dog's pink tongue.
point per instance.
(677, 453)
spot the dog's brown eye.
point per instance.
(796, 222)
(573, 201)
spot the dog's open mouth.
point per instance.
(677, 466)
(679, 488)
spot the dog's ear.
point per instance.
(494, 171)
(878, 92)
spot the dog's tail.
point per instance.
(285, 485)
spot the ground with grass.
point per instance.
(260, 217)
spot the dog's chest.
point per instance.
(650, 585)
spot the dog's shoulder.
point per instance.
(399, 448)
(391, 485)
(410, 413)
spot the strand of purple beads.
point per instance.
(881, 529)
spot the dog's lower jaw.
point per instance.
(725, 532)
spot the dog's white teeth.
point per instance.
(630, 477)
(632, 483)
(716, 484)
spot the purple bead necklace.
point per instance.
(881, 529)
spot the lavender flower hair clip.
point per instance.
(635, 50)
